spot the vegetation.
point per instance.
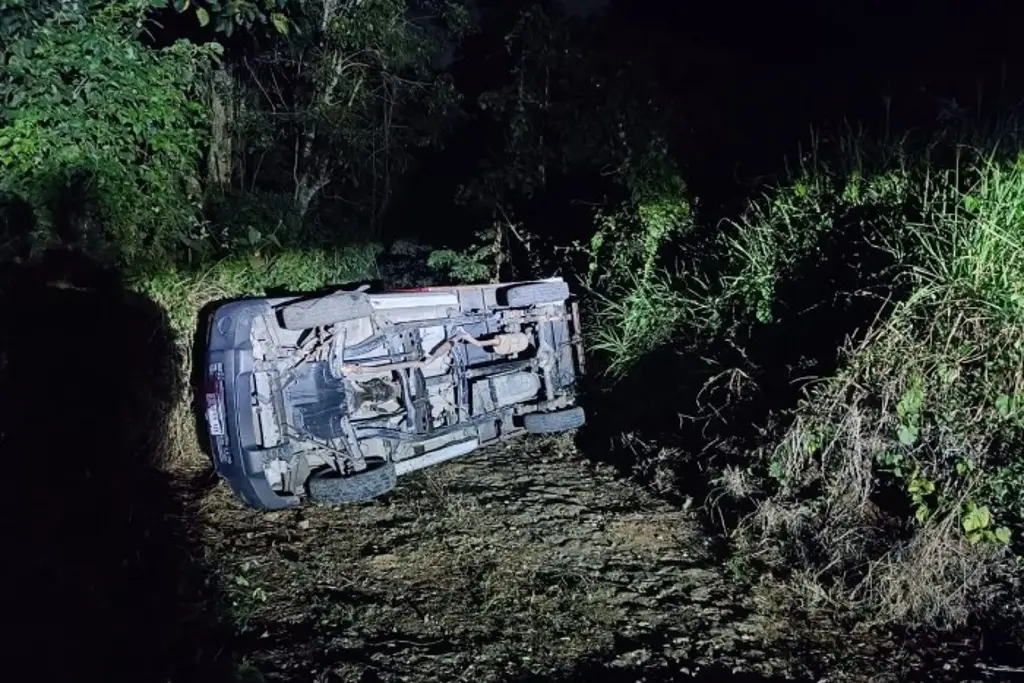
(895, 481)
(84, 98)
(833, 361)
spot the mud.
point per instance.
(522, 563)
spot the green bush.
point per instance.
(779, 238)
(476, 263)
(638, 305)
(83, 97)
(645, 313)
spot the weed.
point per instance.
(475, 264)
(637, 318)
(903, 586)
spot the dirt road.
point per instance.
(522, 563)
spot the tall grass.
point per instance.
(914, 443)
(896, 484)
(639, 316)
(184, 292)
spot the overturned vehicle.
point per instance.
(332, 398)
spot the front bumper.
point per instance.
(229, 423)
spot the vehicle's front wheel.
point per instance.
(326, 310)
(555, 421)
(333, 489)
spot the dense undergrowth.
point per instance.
(860, 361)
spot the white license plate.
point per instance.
(213, 415)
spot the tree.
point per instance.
(573, 109)
(337, 95)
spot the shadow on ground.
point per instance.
(100, 580)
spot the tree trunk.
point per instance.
(308, 185)
(499, 248)
(220, 156)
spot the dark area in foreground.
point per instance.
(102, 577)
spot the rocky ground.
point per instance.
(521, 563)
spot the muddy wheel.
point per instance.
(332, 489)
(553, 422)
(535, 293)
(326, 310)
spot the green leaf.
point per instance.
(977, 518)
(1003, 405)
(921, 513)
(203, 16)
(1003, 535)
(922, 486)
(280, 23)
(909, 406)
(890, 459)
(907, 435)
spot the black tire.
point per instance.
(326, 310)
(557, 421)
(331, 489)
(522, 296)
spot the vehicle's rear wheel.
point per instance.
(537, 293)
(333, 489)
(556, 421)
(326, 310)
